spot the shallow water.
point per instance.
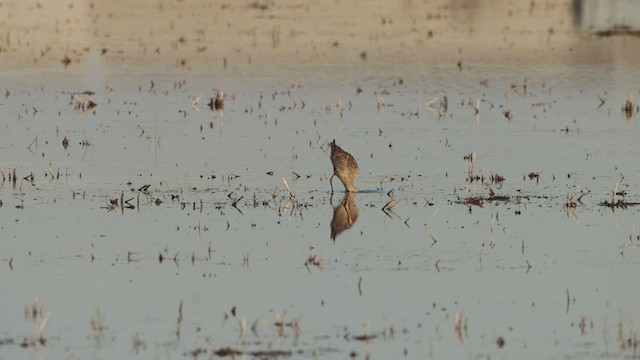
(217, 229)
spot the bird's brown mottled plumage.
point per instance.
(345, 167)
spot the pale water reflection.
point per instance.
(147, 224)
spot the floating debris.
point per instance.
(194, 104)
(619, 203)
(217, 103)
(364, 337)
(381, 103)
(439, 105)
(83, 101)
(575, 198)
(496, 179)
(627, 109)
(33, 312)
(473, 200)
(535, 175)
(231, 352)
(480, 200)
(66, 60)
(460, 324)
(618, 30)
(313, 260)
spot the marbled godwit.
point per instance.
(344, 166)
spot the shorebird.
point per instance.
(345, 167)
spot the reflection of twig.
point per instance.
(33, 312)
(390, 204)
(602, 101)
(41, 327)
(575, 198)
(571, 211)
(428, 229)
(315, 261)
(35, 141)
(618, 203)
(293, 324)
(194, 103)
(381, 103)
(243, 327)
(439, 105)
(460, 323)
(493, 239)
(180, 318)
(572, 201)
(83, 101)
(628, 107)
(477, 111)
(387, 209)
(628, 244)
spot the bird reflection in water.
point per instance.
(344, 215)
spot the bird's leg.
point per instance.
(345, 183)
(331, 183)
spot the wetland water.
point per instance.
(144, 223)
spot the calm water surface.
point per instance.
(208, 251)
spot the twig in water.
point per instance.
(313, 260)
(439, 105)
(288, 188)
(628, 106)
(602, 101)
(575, 198)
(243, 327)
(194, 104)
(387, 209)
(460, 322)
(35, 141)
(180, 318)
(245, 259)
(381, 103)
(427, 226)
(390, 204)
